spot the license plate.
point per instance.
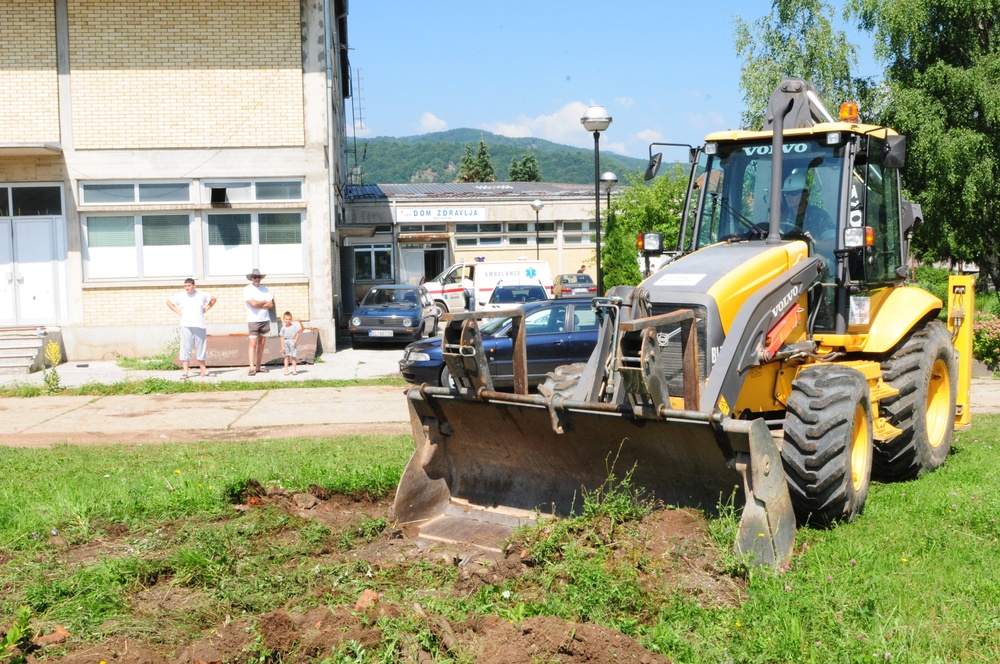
(580, 290)
(379, 333)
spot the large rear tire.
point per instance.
(827, 451)
(925, 372)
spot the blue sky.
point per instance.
(666, 70)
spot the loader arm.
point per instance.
(743, 347)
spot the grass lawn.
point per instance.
(916, 578)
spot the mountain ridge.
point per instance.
(435, 157)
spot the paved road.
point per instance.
(252, 414)
(261, 413)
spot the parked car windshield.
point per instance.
(404, 297)
(517, 294)
(574, 279)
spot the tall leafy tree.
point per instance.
(941, 91)
(639, 208)
(525, 169)
(796, 39)
(478, 167)
(467, 167)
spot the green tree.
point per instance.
(477, 168)
(797, 39)
(484, 167)
(525, 169)
(639, 208)
(941, 92)
(467, 167)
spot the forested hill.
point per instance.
(436, 158)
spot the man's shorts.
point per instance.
(196, 336)
(259, 329)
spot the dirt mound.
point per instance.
(677, 557)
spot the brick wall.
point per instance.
(29, 103)
(32, 169)
(186, 73)
(146, 305)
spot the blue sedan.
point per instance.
(557, 332)
(393, 313)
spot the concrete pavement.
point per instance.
(263, 413)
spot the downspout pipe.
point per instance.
(330, 136)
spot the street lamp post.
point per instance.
(597, 119)
(537, 206)
(608, 181)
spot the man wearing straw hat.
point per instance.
(258, 300)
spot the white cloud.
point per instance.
(626, 102)
(647, 136)
(617, 147)
(431, 123)
(707, 122)
(562, 126)
(361, 130)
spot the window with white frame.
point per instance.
(150, 245)
(578, 232)
(252, 190)
(373, 263)
(271, 241)
(157, 243)
(479, 235)
(522, 233)
(130, 193)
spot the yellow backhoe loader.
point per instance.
(778, 353)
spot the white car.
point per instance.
(509, 297)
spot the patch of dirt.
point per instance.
(669, 548)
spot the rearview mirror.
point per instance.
(653, 166)
(895, 152)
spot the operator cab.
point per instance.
(836, 182)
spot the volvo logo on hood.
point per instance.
(789, 297)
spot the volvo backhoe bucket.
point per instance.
(486, 462)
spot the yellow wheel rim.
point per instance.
(938, 403)
(860, 449)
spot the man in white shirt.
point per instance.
(258, 300)
(191, 305)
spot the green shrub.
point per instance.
(986, 339)
(933, 280)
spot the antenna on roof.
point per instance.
(357, 120)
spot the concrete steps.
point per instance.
(22, 350)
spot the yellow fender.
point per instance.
(898, 314)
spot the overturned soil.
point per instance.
(677, 555)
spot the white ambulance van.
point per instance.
(449, 289)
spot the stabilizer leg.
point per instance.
(767, 528)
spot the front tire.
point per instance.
(925, 372)
(446, 379)
(827, 452)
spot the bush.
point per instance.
(934, 280)
(986, 339)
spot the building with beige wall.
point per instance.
(406, 233)
(145, 142)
